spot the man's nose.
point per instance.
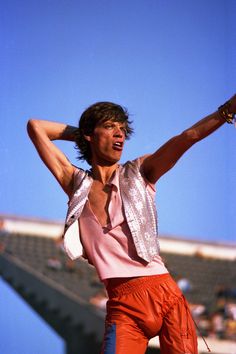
(118, 131)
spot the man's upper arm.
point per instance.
(162, 160)
(53, 157)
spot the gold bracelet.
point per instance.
(224, 111)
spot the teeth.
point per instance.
(117, 144)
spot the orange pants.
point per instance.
(141, 308)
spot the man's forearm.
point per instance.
(53, 130)
(68, 133)
(206, 126)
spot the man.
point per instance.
(111, 221)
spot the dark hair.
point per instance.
(96, 114)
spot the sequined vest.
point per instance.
(139, 209)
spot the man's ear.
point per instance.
(88, 137)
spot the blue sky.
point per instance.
(169, 62)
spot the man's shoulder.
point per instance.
(81, 171)
(137, 163)
(134, 169)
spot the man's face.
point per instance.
(107, 142)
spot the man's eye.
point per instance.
(124, 130)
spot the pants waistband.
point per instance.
(124, 286)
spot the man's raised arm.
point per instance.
(42, 133)
(161, 161)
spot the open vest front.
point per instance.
(139, 209)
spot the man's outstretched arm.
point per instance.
(42, 133)
(161, 161)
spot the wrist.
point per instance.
(69, 133)
(227, 112)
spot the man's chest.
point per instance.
(99, 199)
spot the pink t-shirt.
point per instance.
(111, 249)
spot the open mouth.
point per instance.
(118, 145)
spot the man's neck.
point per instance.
(103, 173)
